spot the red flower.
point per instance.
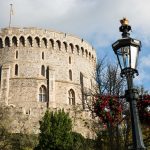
(108, 109)
(144, 109)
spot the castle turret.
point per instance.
(43, 67)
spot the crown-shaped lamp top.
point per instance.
(124, 21)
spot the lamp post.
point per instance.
(127, 50)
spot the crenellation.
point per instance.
(43, 69)
(55, 36)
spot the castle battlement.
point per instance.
(40, 38)
(42, 69)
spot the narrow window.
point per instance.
(65, 45)
(16, 54)
(16, 70)
(1, 43)
(43, 55)
(44, 43)
(43, 70)
(70, 75)
(7, 42)
(92, 58)
(58, 44)
(77, 49)
(81, 79)
(86, 52)
(71, 47)
(22, 41)
(89, 55)
(69, 60)
(71, 94)
(82, 49)
(14, 41)
(0, 74)
(51, 43)
(37, 42)
(42, 94)
(29, 41)
(82, 90)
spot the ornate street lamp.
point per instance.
(127, 50)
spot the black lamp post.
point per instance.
(127, 50)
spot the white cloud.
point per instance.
(144, 64)
(144, 71)
(78, 16)
(97, 21)
(145, 61)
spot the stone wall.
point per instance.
(28, 122)
(32, 58)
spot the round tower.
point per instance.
(44, 68)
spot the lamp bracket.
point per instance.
(129, 72)
(131, 94)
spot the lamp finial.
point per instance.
(125, 27)
(124, 21)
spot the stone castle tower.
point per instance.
(44, 68)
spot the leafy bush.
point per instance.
(55, 131)
(21, 141)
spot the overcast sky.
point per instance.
(97, 21)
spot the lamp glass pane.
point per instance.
(124, 57)
(134, 54)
